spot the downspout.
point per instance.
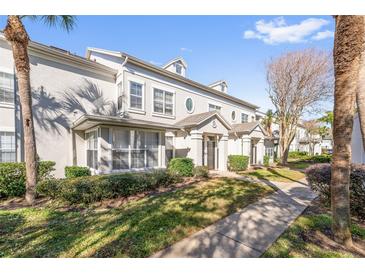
(123, 110)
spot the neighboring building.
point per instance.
(113, 112)
(358, 152)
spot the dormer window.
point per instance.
(178, 68)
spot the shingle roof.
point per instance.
(246, 127)
(196, 119)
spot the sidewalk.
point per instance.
(249, 232)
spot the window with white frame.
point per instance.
(134, 149)
(7, 147)
(135, 95)
(269, 151)
(214, 107)
(163, 102)
(92, 149)
(244, 118)
(178, 68)
(6, 88)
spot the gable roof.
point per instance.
(197, 119)
(138, 62)
(216, 83)
(177, 59)
(247, 127)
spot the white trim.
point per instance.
(158, 114)
(193, 108)
(143, 84)
(235, 115)
(7, 105)
(7, 129)
(135, 110)
(7, 70)
(214, 104)
(175, 60)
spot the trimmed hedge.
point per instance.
(13, 177)
(297, 154)
(89, 189)
(76, 171)
(324, 158)
(237, 162)
(181, 166)
(319, 179)
(201, 172)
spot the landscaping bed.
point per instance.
(310, 236)
(137, 228)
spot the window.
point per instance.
(134, 149)
(269, 151)
(92, 149)
(189, 105)
(163, 102)
(214, 107)
(244, 118)
(6, 88)
(233, 116)
(7, 147)
(120, 149)
(136, 95)
(169, 148)
(178, 68)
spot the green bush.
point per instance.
(266, 160)
(237, 162)
(13, 177)
(324, 158)
(76, 171)
(89, 189)
(298, 154)
(201, 172)
(319, 179)
(181, 166)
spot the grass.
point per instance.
(298, 164)
(137, 229)
(310, 237)
(276, 174)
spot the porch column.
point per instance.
(260, 151)
(223, 152)
(246, 146)
(162, 150)
(196, 147)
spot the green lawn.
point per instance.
(308, 237)
(276, 174)
(299, 164)
(137, 229)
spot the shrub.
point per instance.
(13, 176)
(181, 166)
(76, 171)
(319, 178)
(297, 154)
(90, 189)
(324, 158)
(237, 162)
(266, 160)
(201, 172)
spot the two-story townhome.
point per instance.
(113, 112)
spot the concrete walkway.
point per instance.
(249, 232)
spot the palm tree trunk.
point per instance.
(347, 49)
(16, 34)
(360, 94)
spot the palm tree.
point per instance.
(268, 120)
(347, 50)
(16, 34)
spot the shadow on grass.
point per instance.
(137, 229)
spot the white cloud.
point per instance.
(155, 63)
(186, 49)
(277, 31)
(323, 35)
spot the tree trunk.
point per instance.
(16, 34)
(360, 94)
(347, 48)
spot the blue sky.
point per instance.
(233, 48)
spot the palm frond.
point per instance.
(66, 22)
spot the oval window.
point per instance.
(189, 105)
(233, 115)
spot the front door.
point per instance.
(211, 154)
(253, 154)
